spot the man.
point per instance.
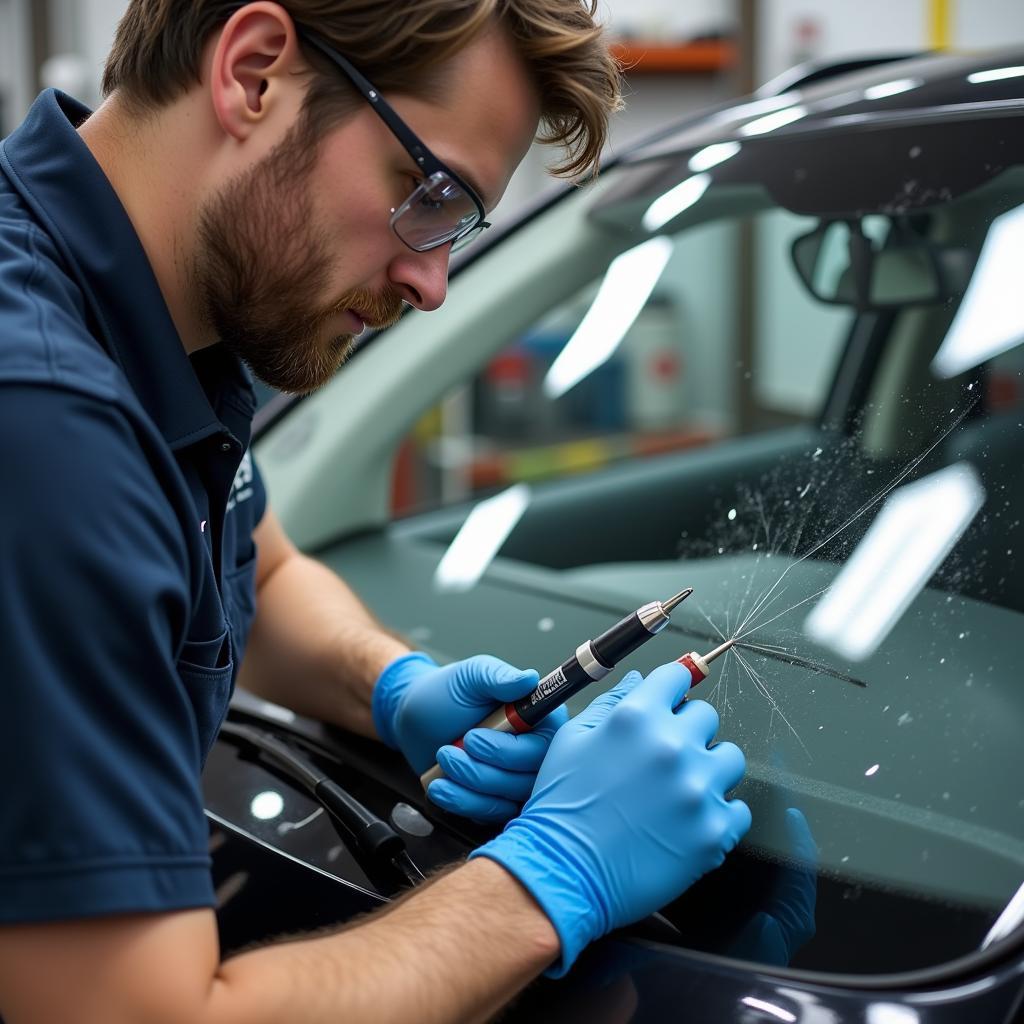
(245, 194)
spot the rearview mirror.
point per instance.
(878, 263)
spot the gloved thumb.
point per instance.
(484, 678)
(601, 707)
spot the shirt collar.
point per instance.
(61, 182)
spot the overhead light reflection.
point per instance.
(894, 88)
(266, 805)
(675, 201)
(772, 122)
(916, 529)
(712, 156)
(990, 319)
(776, 1011)
(627, 285)
(1008, 920)
(480, 539)
(995, 75)
(892, 1013)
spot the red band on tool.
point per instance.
(458, 743)
(695, 673)
(517, 723)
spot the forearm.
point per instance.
(457, 950)
(314, 647)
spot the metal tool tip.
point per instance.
(720, 650)
(677, 599)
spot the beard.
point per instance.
(263, 266)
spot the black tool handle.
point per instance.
(551, 692)
(621, 640)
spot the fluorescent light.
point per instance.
(675, 201)
(995, 75)
(917, 527)
(776, 1011)
(894, 88)
(990, 319)
(480, 538)
(712, 156)
(772, 122)
(627, 285)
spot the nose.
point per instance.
(421, 278)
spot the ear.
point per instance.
(251, 68)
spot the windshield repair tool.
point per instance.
(373, 842)
(698, 664)
(593, 660)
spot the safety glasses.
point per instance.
(442, 208)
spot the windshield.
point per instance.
(787, 371)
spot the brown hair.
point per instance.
(399, 45)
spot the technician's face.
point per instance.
(298, 251)
(265, 269)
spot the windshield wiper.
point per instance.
(378, 848)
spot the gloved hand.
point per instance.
(418, 707)
(629, 809)
(786, 921)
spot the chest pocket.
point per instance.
(206, 669)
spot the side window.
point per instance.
(689, 371)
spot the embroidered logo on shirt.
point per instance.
(241, 487)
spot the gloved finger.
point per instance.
(464, 769)
(802, 844)
(740, 819)
(482, 679)
(763, 940)
(665, 686)
(450, 796)
(601, 707)
(699, 719)
(517, 753)
(728, 765)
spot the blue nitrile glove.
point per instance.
(419, 707)
(629, 809)
(786, 921)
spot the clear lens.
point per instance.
(469, 237)
(436, 212)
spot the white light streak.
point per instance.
(995, 75)
(775, 1011)
(712, 156)
(668, 206)
(874, 768)
(266, 805)
(894, 88)
(772, 122)
(1008, 920)
(480, 538)
(892, 1013)
(990, 319)
(627, 285)
(917, 527)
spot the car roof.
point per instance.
(927, 86)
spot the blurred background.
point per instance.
(681, 54)
(728, 343)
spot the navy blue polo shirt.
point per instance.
(127, 505)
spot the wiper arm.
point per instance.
(376, 844)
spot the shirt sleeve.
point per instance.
(102, 810)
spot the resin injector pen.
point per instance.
(592, 661)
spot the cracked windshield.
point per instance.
(812, 415)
